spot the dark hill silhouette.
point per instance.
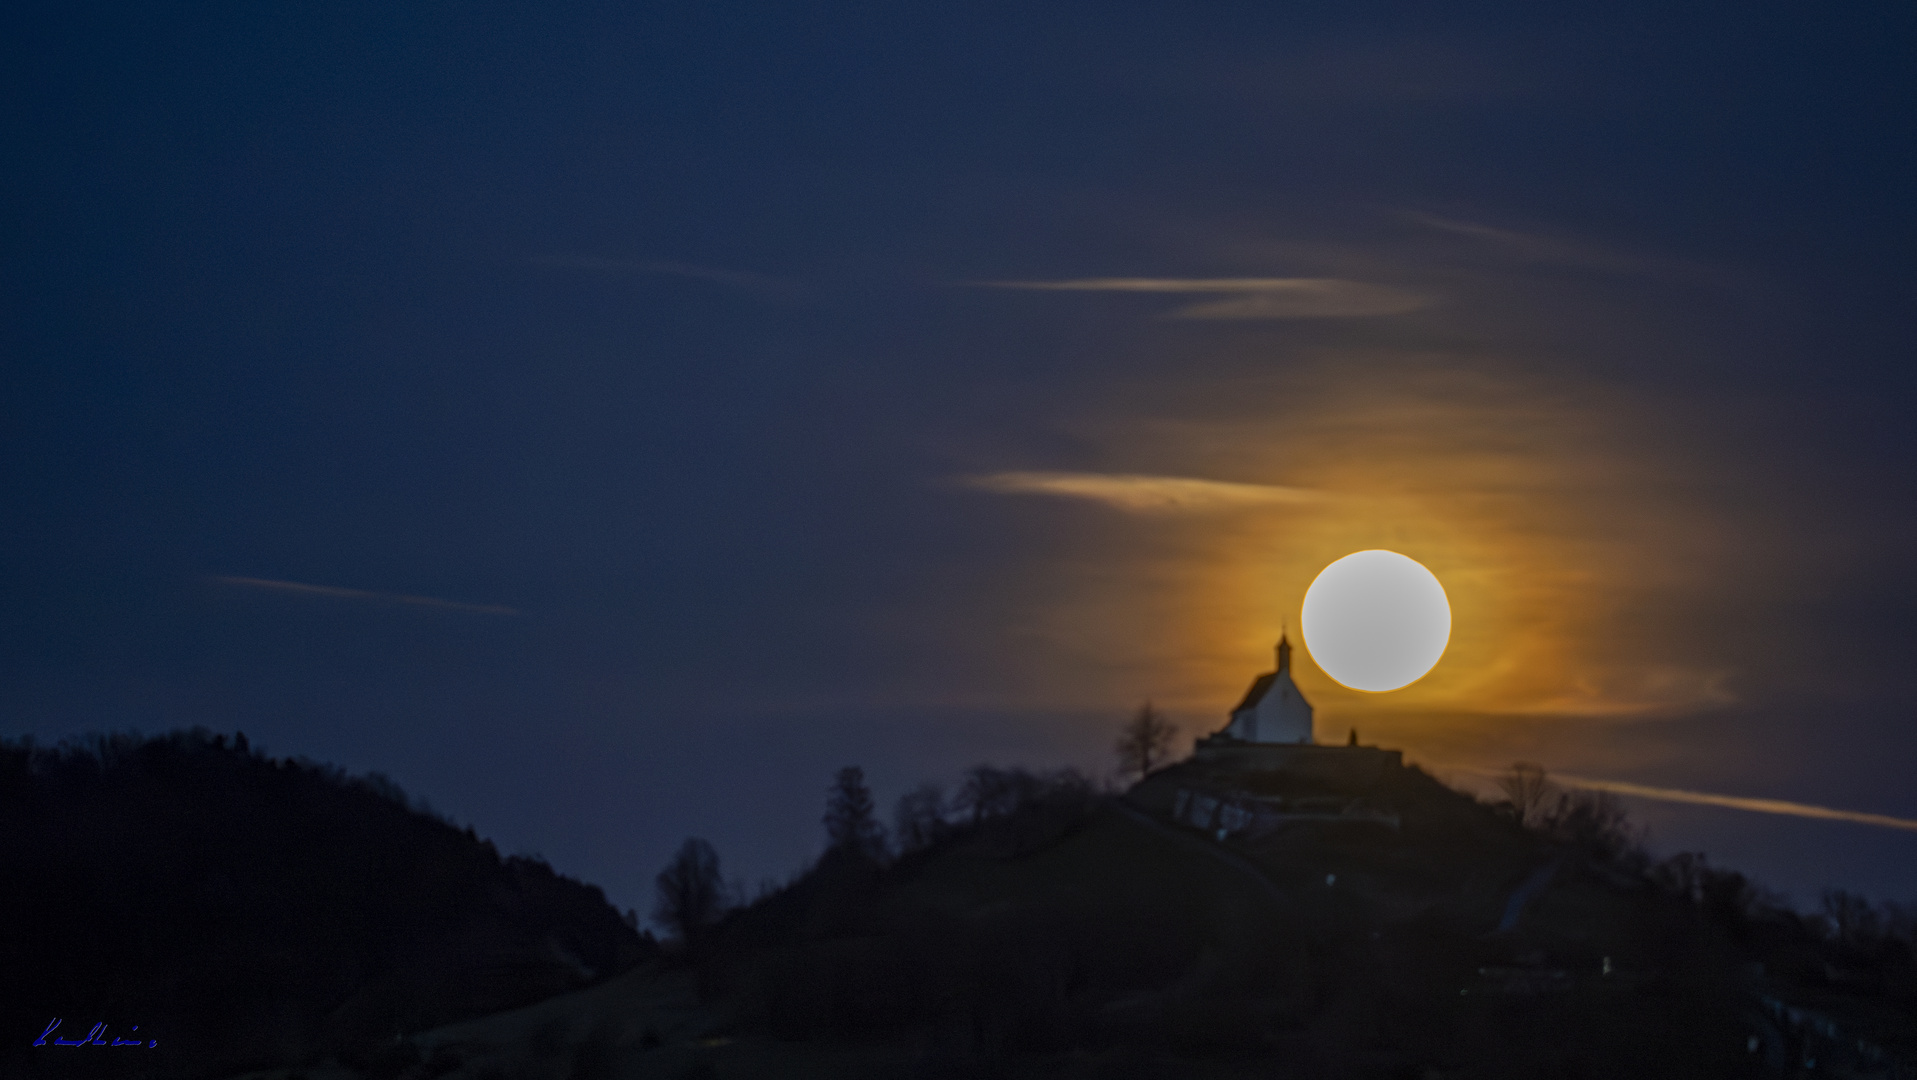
(1322, 948)
(1351, 923)
(1373, 925)
(246, 911)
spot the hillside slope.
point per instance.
(245, 911)
(1410, 931)
(1319, 949)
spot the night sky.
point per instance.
(674, 403)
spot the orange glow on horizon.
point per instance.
(1545, 527)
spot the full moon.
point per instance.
(1376, 621)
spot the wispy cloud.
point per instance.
(740, 279)
(1705, 798)
(1636, 690)
(1576, 254)
(1253, 298)
(362, 594)
(1145, 494)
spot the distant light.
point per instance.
(1376, 621)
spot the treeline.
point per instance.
(1848, 944)
(247, 911)
(1591, 821)
(1019, 808)
(934, 930)
(828, 956)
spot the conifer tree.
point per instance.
(851, 821)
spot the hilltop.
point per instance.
(1372, 924)
(247, 911)
(1362, 941)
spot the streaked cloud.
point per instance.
(1572, 253)
(1636, 690)
(1705, 798)
(740, 279)
(1146, 494)
(336, 592)
(1253, 298)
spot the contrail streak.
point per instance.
(364, 594)
(1733, 802)
(1737, 802)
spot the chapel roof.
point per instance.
(1263, 683)
(1257, 692)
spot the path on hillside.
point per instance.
(1528, 890)
(1196, 843)
(1360, 967)
(1521, 896)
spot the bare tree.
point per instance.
(1683, 874)
(1900, 922)
(1530, 790)
(1145, 742)
(1068, 785)
(851, 821)
(1729, 897)
(1853, 921)
(919, 818)
(1593, 820)
(691, 893)
(987, 792)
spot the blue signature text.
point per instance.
(95, 1037)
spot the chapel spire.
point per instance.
(1273, 710)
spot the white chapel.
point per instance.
(1273, 710)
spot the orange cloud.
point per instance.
(1146, 494)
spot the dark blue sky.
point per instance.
(665, 328)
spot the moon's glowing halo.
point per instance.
(1376, 621)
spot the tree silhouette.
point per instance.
(1853, 921)
(920, 817)
(1530, 790)
(1145, 742)
(691, 896)
(1594, 820)
(851, 822)
(986, 792)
